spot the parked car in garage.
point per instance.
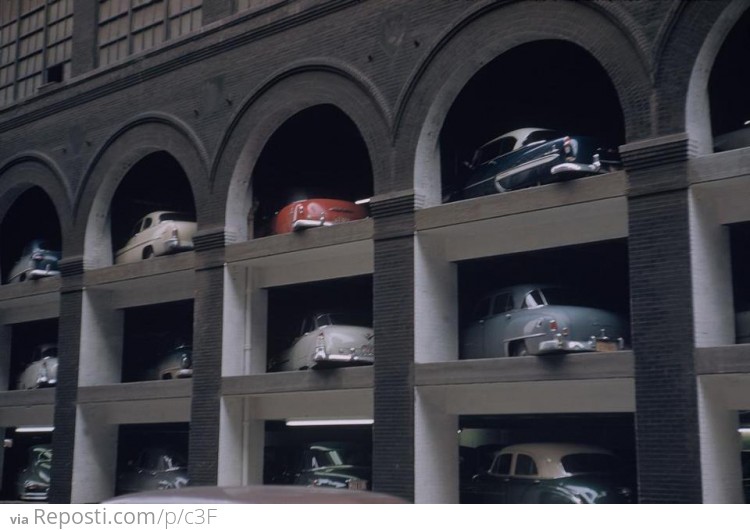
(33, 482)
(155, 468)
(334, 465)
(42, 371)
(177, 363)
(537, 319)
(157, 234)
(552, 473)
(327, 340)
(37, 260)
(532, 156)
(311, 213)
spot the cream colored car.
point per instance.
(157, 234)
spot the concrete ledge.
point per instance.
(27, 398)
(142, 269)
(32, 288)
(313, 238)
(565, 367)
(302, 381)
(577, 191)
(719, 166)
(730, 359)
(33, 300)
(142, 390)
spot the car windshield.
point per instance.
(342, 319)
(176, 216)
(590, 463)
(494, 149)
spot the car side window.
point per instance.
(482, 309)
(502, 303)
(147, 222)
(136, 229)
(525, 465)
(495, 149)
(533, 299)
(501, 465)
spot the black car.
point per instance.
(530, 157)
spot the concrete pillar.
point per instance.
(241, 444)
(101, 340)
(94, 458)
(721, 446)
(5, 344)
(711, 266)
(245, 324)
(435, 453)
(435, 304)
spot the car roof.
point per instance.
(516, 133)
(553, 450)
(255, 495)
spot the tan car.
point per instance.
(157, 234)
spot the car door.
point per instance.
(491, 487)
(496, 325)
(473, 338)
(524, 478)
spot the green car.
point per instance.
(551, 473)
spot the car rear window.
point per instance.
(590, 463)
(177, 216)
(542, 136)
(564, 296)
(499, 147)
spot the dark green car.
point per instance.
(551, 473)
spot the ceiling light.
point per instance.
(327, 421)
(35, 428)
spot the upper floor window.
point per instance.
(132, 26)
(36, 41)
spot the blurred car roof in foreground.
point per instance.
(255, 495)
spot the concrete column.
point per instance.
(435, 304)
(435, 453)
(94, 458)
(101, 340)
(721, 446)
(241, 444)
(245, 324)
(5, 343)
(711, 266)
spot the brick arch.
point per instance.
(297, 87)
(484, 34)
(31, 169)
(683, 85)
(144, 135)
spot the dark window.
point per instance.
(502, 303)
(147, 222)
(176, 216)
(533, 299)
(501, 466)
(55, 73)
(492, 150)
(482, 310)
(525, 465)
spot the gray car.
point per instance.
(538, 319)
(154, 469)
(42, 371)
(37, 261)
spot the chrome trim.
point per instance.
(523, 167)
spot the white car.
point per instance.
(157, 234)
(42, 371)
(327, 339)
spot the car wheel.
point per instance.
(148, 252)
(518, 349)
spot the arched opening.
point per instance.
(30, 238)
(316, 154)
(547, 84)
(156, 183)
(727, 88)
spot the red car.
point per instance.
(310, 213)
